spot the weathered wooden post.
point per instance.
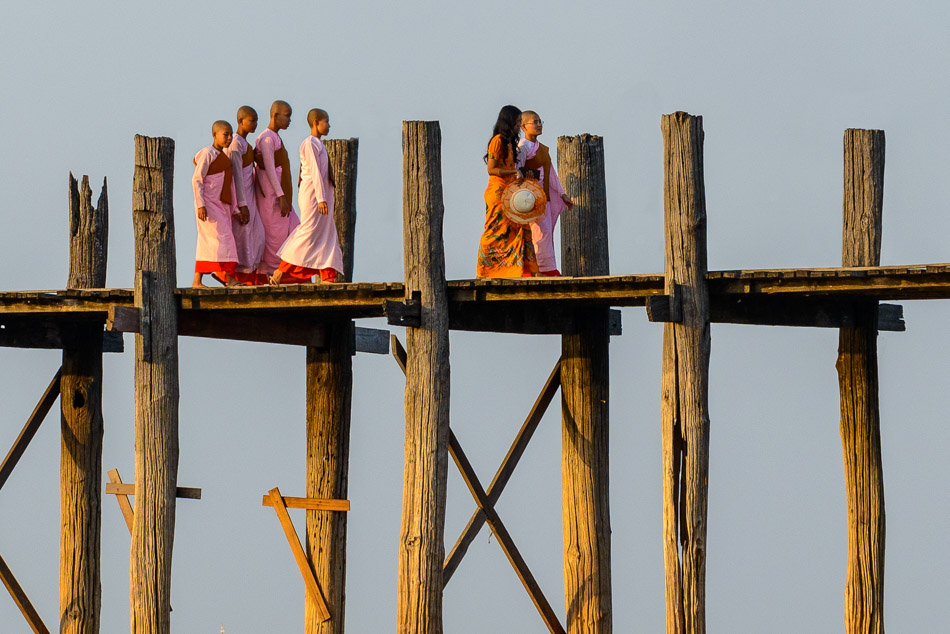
(81, 422)
(685, 381)
(858, 385)
(329, 394)
(585, 388)
(421, 543)
(156, 386)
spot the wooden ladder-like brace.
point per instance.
(486, 500)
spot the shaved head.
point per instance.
(220, 125)
(316, 115)
(277, 105)
(244, 112)
(527, 114)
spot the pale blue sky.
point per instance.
(777, 84)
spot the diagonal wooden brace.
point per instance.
(486, 504)
(22, 601)
(281, 504)
(30, 428)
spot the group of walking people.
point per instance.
(508, 247)
(248, 230)
(250, 234)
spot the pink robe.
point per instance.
(314, 244)
(249, 238)
(542, 231)
(215, 240)
(276, 227)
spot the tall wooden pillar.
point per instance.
(858, 385)
(585, 387)
(156, 386)
(329, 394)
(81, 422)
(421, 542)
(685, 380)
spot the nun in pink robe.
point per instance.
(314, 246)
(248, 238)
(213, 186)
(542, 231)
(273, 180)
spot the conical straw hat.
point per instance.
(523, 202)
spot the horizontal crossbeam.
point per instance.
(778, 310)
(115, 488)
(311, 504)
(52, 333)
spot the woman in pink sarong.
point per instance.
(214, 192)
(313, 248)
(247, 227)
(275, 187)
(535, 157)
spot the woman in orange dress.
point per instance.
(505, 249)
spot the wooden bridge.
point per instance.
(686, 298)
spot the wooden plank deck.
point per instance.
(366, 299)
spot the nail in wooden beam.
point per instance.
(421, 542)
(585, 388)
(685, 378)
(156, 386)
(329, 403)
(80, 593)
(858, 386)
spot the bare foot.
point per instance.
(276, 277)
(232, 281)
(199, 285)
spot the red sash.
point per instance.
(282, 161)
(248, 157)
(542, 158)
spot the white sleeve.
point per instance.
(522, 153)
(197, 180)
(267, 146)
(318, 176)
(237, 170)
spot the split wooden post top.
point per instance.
(685, 378)
(421, 543)
(81, 421)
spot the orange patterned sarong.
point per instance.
(506, 248)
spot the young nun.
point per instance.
(275, 188)
(534, 156)
(214, 197)
(314, 247)
(247, 227)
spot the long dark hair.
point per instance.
(509, 118)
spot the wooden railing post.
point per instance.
(329, 397)
(685, 376)
(858, 386)
(585, 388)
(421, 543)
(81, 423)
(156, 386)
